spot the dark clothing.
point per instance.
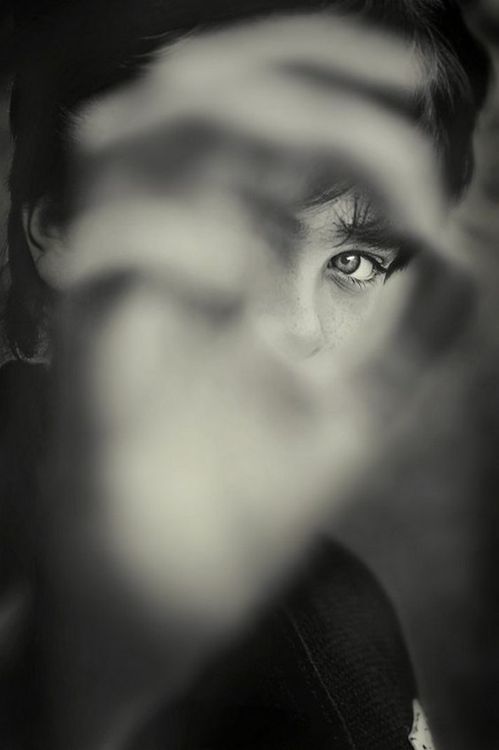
(326, 669)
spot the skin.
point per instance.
(316, 297)
(214, 455)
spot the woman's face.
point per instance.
(317, 272)
(321, 289)
(320, 266)
(317, 275)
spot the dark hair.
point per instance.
(68, 52)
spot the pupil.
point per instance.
(348, 263)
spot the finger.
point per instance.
(194, 82)
(299, 122)
(200, 251)
(204, 488)
(321, 40)
(202, 64)
(379, 148)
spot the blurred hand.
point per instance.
(211, 463)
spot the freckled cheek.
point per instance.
(344, 313)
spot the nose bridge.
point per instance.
(303, 328)
(295, 317)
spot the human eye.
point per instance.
(355, 268)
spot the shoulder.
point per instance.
(326, 667)
(352, 641)
(345, 593)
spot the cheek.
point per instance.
(344, 313)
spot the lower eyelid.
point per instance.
(349, 283)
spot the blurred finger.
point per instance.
(303, 128)
(195, 68)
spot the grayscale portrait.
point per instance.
(248, 375)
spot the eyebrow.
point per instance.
(366, 226)
(281, 224)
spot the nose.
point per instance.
(293, 326)
(303, 336)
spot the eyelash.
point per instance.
(346, 280)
